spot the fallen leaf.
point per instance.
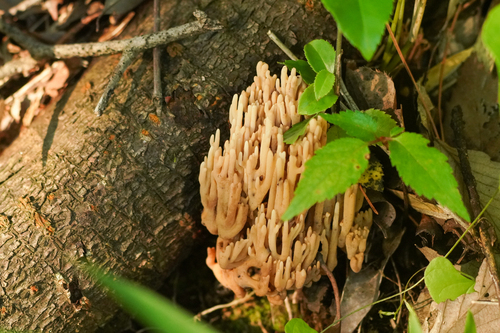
(451, 64)
(450, 316)
(58, 80)
(362, 288)
(371, 88)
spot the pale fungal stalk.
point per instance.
(248, 185)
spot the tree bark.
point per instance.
(121, 190)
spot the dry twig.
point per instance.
(482, 237)
(139, 43)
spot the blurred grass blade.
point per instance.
(148, 307)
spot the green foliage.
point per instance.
(343, 160)
(308, 105)
(148, 307)
(295, 131)
(323, 83)
(335, 167)
(297, 325)
(491, 38)
(302, 67)
(426, 170)
(413, 322)
(470, 324)
(321, 55)
(361, 21)
(367, 126)
(445, 282)
(318, 72)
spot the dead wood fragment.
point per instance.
(139, 43)
(480, 233)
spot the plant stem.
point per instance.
(282, 46)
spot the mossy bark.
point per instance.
(121, 190)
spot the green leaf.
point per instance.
(305, 70)
(323, 83)
(295, 131)
(396, 131)
(335, 133)
(331, 171)
(148, 307)
(308, 105)
(490, 36)
(362, 22)
(426, 170)
(321, 55)
(470, 324)
(413, 322)
(297, 325)
(368, 125)
(445, 282)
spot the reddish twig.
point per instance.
(335, 291)
(367, 199)
(429, 116)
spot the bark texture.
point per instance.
(122, 189)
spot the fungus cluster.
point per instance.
(247, 186)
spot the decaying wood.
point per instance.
(121, 190)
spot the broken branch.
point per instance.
(139, 43)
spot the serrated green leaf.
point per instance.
(368, 125)
(335, 133)
(321, 55)
(384, 121)
(445, 282)
(396, 131)
(305, 70)
(295, 131)
(331, 171)
(323, 83)
(426, 170)
(470, 324)
(149, 307)
(362, 22)
(297, 325)
(308, 105)
(490, 37)
(413, 322)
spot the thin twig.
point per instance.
(343, 90)
(429, 116)
(239, 301)
(399, 287)
(367, 199)
(335, 291)
(140, 43)
(483, 239)
(282, 46)
(125, 61)
(157, 91)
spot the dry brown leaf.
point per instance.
(450, 316)
(114, 31)
(371, 88)
(58, 80)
